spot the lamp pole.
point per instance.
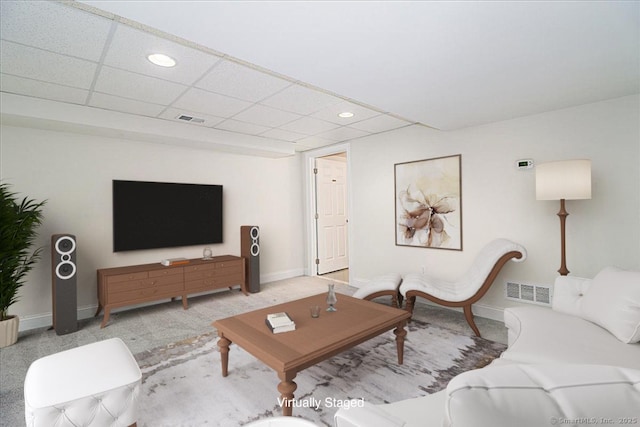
(563, 218)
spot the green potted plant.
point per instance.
(18, 223)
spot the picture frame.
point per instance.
(428, 203)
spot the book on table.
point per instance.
(174, 261)
(280, 322)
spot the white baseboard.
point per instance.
(45, 320)
(274, 277)
(489, 312)
(480, 310)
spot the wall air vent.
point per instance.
(533, 294)
(190, 119)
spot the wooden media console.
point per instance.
(136, 284)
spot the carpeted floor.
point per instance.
(182, 384)
(153, 327)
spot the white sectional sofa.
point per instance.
(576, 364)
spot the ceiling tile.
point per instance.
(136, 86)
(242, 127)
(360, 113)
(312, 142)
(380, 123)
(173, 114)
(130, 47)
(343, 133)
(266, 116)
(301, 100)
(54, 27)
(240, 81)
(28, 87)
(309, 126)
(116, 103)
(41, 65)
(282, 134)
(210, 103)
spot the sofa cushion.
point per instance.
(366, 415)
(540, 335)
(613, 302)
(425, 411)
(568, 294)
(539, 395)
(384, 283)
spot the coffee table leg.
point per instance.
(286, 388)
(400, 334)
(223, 344)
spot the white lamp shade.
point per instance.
(567, 179)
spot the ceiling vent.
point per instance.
(532, 294)
(190, 119)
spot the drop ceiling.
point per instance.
(281, 72)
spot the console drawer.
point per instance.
(149, 282)
(227, 269)
(175, 271)
(134, 296)
(200, 268)
(127, 277)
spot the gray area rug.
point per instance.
(183, 384)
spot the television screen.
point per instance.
(150, 215)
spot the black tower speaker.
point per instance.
(63, 274)
(250, 250)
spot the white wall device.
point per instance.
(524, 164)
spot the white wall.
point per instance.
(73, 173)
(499, 201)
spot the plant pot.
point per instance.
(9, 331)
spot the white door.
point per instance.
(331, 223)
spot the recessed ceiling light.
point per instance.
(346, 115)
(162, 60)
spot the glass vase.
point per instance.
(331, 298)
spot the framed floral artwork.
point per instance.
(428, 198)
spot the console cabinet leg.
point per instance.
(105, 319)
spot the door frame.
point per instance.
(310, 202)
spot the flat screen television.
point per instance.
(149, 215)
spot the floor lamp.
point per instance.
(563, 180)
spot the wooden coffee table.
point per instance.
(313, 341)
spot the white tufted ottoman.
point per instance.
(93, 385)
(380, 286)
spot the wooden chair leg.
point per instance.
(469, 316)
(409, 306)
(394, 301)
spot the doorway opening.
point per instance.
(329, 204)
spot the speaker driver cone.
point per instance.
(255, 233)
(65, 245)
(65, 270)
(255, 249)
